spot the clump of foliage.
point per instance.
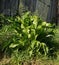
(31, 37)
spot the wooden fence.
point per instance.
(46, 9)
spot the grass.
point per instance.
(5, 61)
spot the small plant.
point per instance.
(32, 37)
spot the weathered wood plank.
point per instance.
(8, 7)
(58, 12)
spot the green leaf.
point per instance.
(13, 45)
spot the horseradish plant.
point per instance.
(32, 35)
